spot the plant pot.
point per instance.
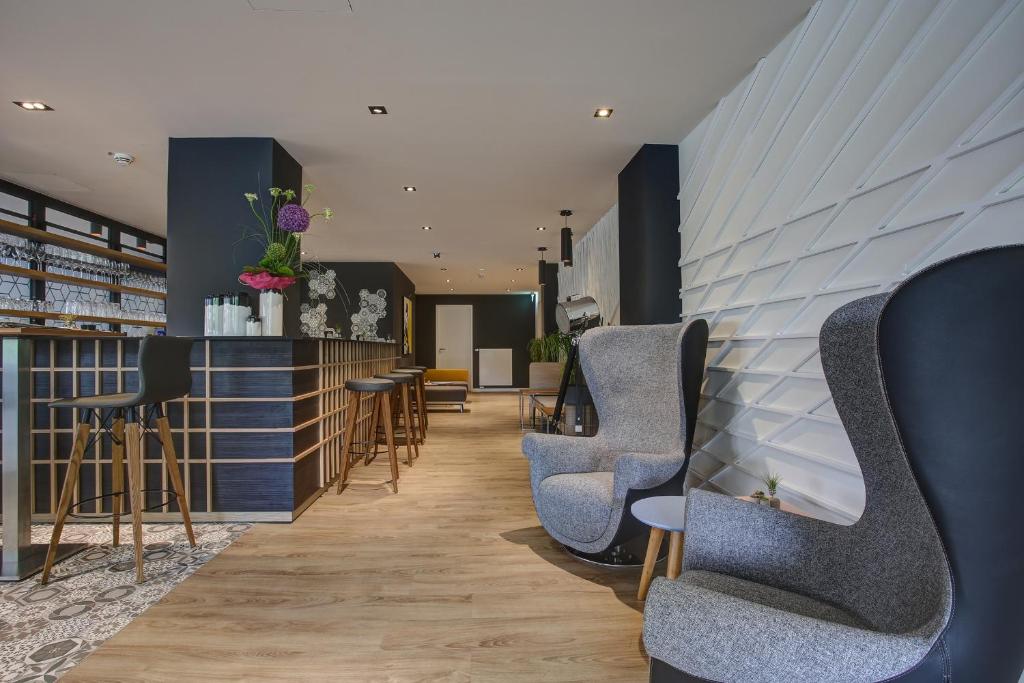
(775, 503)
(272, 312)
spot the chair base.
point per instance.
(31, 560)
(616, 557)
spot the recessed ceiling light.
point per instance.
(425, 227)
(444, 269)
(377, 109)
(541, 228)
(603, 112)
(447, 282)
(451, 289)
(302, 253)
(34, 106)
(512, 281)
(519, 270)
(409, 188)
(507, 289)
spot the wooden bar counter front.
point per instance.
(259, 437)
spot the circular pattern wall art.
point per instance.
(372, 307)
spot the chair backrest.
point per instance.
(645, 383)
(950, 343)
(164, 369)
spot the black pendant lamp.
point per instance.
(566, 239)
(540, 266)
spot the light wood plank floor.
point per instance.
(450, 580)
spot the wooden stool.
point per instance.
(381, 390)
(661, 513)
(164, 374)
(419, 399)
(400, 400)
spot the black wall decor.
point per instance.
(500, 321)
(372, 275)
(649, 244)
(207, 216)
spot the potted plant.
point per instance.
(547, 355)
(282, 223)
(771, 482)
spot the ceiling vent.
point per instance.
(321, 6)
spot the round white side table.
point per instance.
(661, 513)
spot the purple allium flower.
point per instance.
(293, 218)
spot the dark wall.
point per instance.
(207, 215)
(549, 294)
(371, 275)
(649, 244)
(500, 321)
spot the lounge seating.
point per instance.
(447, 387)
(927, 584)
(645, 383)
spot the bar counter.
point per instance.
(259, 437)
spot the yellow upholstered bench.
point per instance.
(438, 375)
(447, 386)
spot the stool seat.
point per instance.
(369, 384)
(98, 402)
(396, 377)
(409, 371)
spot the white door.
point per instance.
(453, 338)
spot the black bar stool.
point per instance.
(381, 390)
(420, 396)
(400, 398)
(164, 375)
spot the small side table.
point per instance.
(661, 513)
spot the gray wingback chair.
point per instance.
(645, 383)
(928, 585)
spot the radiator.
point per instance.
(495, 367)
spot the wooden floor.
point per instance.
(450, 580)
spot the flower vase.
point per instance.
(272, 312)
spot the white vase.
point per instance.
(272, 312)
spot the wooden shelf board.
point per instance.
(60, 240)
(46, 315)
(81, 281)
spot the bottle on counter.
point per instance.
(253, 326)
(242, 314)
(227, 313)
(213, 324)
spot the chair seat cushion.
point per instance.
(577, 505)
(396, 377)
(725, 628)
(122, 400)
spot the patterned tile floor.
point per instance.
(47, 630)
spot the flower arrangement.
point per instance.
(282, 226)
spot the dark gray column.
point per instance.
(649, 244)
(206, 216)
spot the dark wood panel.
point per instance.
(246, 414)
(253, 384)
(247, 487)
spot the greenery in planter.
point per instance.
(772, 482)
(550, 349)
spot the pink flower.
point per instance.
(264, 280)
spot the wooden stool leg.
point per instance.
(653, 546)
(67, 494)
(410, 428)
(421, 406)
(171, 463)
(389, 433)
(133, 444)
(675, 555)
(350, 427)
(374, 425)
(117, 475)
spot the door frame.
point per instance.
(469, 339)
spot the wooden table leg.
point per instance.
(675, 554)
(653, 546)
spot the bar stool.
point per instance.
(381, 389)
(400, 399)
(164, 374)
(420, 395)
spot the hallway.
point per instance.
(451, 580)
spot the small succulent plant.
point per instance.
(772, 482)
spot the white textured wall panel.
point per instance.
(595, 270)
(880, 136)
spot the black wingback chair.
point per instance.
(928, 585)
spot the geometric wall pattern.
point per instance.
(877, 138)
(595, 269)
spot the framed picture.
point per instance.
(406, 326)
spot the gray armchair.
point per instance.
(928, 584)
(645, 384)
